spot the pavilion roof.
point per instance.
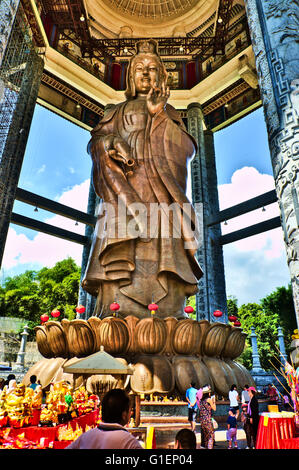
(98, 363)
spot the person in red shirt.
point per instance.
(272, 394)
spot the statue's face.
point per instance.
(146, 70)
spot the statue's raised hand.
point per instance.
(157, 98)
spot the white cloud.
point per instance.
(41, 169)
(44, 249)
(247, 183)
(251, 276)
(77, 196)
(256, 265)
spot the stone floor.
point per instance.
(165, 436)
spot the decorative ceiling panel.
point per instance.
(154, 9)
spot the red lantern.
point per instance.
(153, 307)
(217, 313)
(44, 318)
(189, 309)
(55, 313)
(232, 318)
(80, 309)
(237, 323)
(114, 306)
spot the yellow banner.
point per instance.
(266, 419)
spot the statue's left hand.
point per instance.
(157, 98)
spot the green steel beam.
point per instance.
(55, 207)
(33, 224)
(242, 208)
(270, 224)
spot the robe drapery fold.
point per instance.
(131, 256)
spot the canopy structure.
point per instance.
(102, 363)
(98, 363)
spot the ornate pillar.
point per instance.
(256, 365)
(212, 294)
(260, 376)
(21, 354)
(283, 355)
(273, 26)
(20, 72)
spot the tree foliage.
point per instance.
(281, 302)
(273, 311)
(192, 302)
(33, 293)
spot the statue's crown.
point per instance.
(147, 46)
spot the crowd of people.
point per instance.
(202, 404)
(112, 432)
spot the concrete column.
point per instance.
(84, 298)
(256, 365)
(20, 364)
(88, 300)
(283, 354)
(216, 275)
(273, 26)
(212, 294)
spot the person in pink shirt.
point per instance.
(111, 433)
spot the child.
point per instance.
(231, 434)
(246, 424)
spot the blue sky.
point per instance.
(56, 165)
(242, 144)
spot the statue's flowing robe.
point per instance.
(134, 269)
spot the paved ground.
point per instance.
(165, 436)
(220, 438)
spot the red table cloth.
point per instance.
(274, 429)
(290, 443)
(61, 444)
(35, 433)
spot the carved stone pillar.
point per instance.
(256, 365)
(20, 364)
(273, 26)
(8, 11)
(212, 293)
(20, 73)
(283, 355)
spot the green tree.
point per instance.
(192, 302)
(30, 294)
(281, 302)
(61, 270)
(232, 306)
(265, 325)
(25, 280)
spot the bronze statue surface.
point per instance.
(140, 152)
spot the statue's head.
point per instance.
(146, 59)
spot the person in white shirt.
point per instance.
(111, 433)
(234, 399)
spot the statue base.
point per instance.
(166, 354)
